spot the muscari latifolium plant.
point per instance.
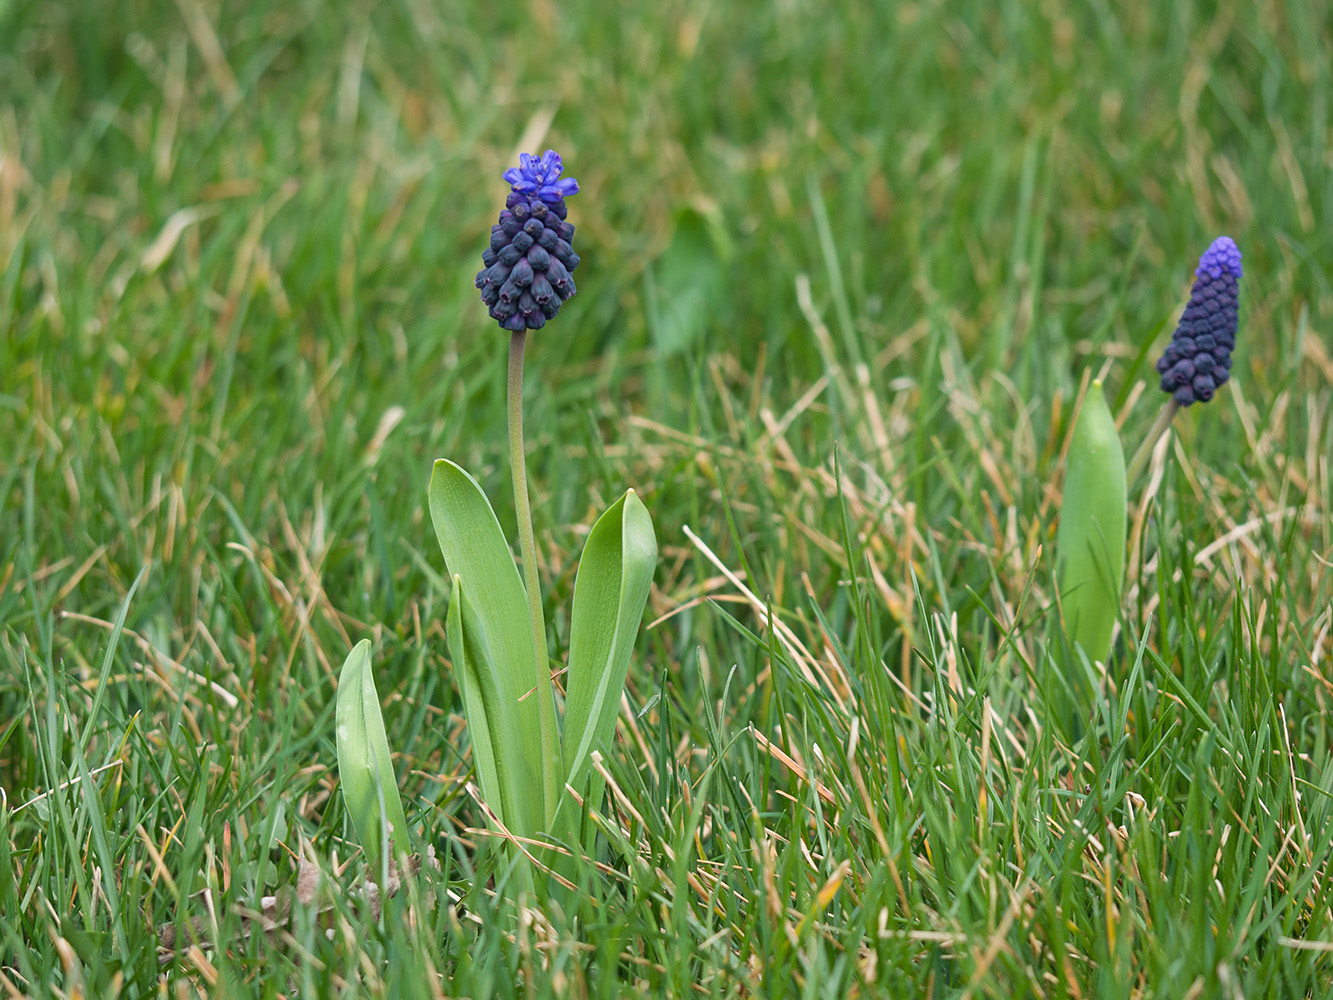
(496, 630)
(1090, 541)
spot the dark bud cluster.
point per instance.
(1198, 360)
(528, 265)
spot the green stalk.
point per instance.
(1140, 459)
(527, 544)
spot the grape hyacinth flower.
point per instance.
(527, 268)
(526, 760)
(1198, 360)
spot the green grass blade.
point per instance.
(8, 883)
(91, 800)
(370, 789)
(609, 595)
(109, 658)
(1090, 542)
(496, 627)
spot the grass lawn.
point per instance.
(845, 270)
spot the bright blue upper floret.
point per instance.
(1221, 255)
(541, 177)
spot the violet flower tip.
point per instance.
(530, 254)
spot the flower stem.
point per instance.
(1155, 432)
(528, 547)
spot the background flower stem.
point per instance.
(528, 548)
(1159, 427)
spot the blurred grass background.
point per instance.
(237, 323)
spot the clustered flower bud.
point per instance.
(528, 264)
(1198, 359)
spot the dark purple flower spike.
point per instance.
(528, 265)
(1198, 360)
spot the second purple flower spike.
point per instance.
(527, 267)
(1198, 359)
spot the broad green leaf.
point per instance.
(484, 751)
(370, 789)
(1090, 543)
(614, 575)
(687, 282)
(498, 646)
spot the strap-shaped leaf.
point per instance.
(484, 753)
(615, 573)
(497, 647)
(1090, 542)
(364, 767)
